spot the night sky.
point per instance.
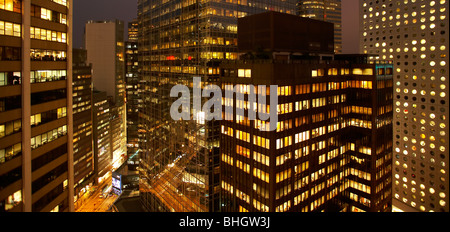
(126, 10)
(85, 10)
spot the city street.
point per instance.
(95, 201)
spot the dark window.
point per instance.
(48, 96)
(10, 53)
(10, 103)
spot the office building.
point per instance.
(332, 146)
(102, 136)
(133, 30)
(104, 42)
(82, 124)
(179, 40)
(118, 134)
(36, 135)
(325, 10)
(415, 34)
(133, 90)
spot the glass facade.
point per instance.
(133, 90)
(178, 40)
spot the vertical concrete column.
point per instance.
(26, 108)
(69, 106)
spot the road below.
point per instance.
(95, 201)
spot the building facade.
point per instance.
(133, 29)
(36, 156)
(325, 10)
(415, 34)
(133, 91)
(332, 146)
(104, 42)
(82, 123)
(177, 41)
(102, 136)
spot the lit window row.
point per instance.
(10, 78)
(285, 108)
(11, 29)
(243, 151)
(11, 5)
(244, 136)
(264, 176)
(243, 166)
(48, 116)
(10, 152)
(261, 158)
(11, 127)
(61, 2)
(260, 141)
(41, 76)
(49, 15)
(47, 55)
(48, 35)
(281, 159)
(48, 137)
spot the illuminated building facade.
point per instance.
(102, 136)
(332, 147)
(180, 39)
(415, 34)
(36, 154)
(133, 90)
(133, 29)
(82, 123)
(104, 42)
(325, 10)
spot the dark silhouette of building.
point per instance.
(324, 10)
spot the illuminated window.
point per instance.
(245, 73)
(11, 5)
(11, 29)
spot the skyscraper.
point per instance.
(325, 10)
(101, 134)
(133, 90)
(332, 146)
(82, 123)
(36, 116)
(104, 42)
(133, 29)
(177, 41)
(415, 34)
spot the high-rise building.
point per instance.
(179, 40)
(36, 154)
(133, 90)
(331, 149)
(102, 136)
(415, 34)
(82, 123)
(325, 10)
(133, 29)
(104, 42)
(118, 134)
